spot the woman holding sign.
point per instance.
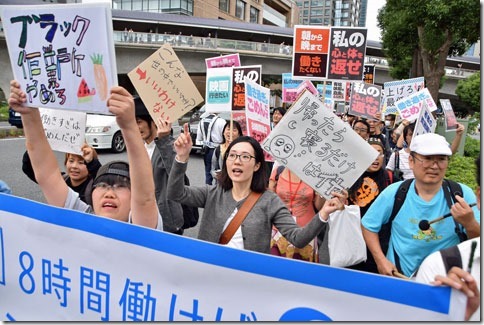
(118, 191)
(238, 211)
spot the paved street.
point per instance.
(13, 149)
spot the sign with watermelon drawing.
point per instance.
(163, 84)
(62, 55)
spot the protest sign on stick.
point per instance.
(164, 85)
(62, 55)
(450, 120)
(319, 147)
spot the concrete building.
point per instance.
(282, 13)
(351, 13)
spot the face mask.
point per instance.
(388, 123)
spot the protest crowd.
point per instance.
(253, 203)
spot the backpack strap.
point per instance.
(399, 199)
(451, 257)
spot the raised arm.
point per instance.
(144, 210)
(44, 162)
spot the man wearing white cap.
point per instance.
(424, 200)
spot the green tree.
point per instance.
(469, 91)
(419, 35)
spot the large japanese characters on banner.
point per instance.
(365, 100)
(254, 73)
(65, 130)
(218, 90)
(257, 112)
(310, 56)
(164, 85)
(409, 107)
(347, 53)
(62, 55)
(396, 90)
(289, 87)
(131, 273)
(319, 147)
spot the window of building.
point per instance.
(328, 3)
(326, 22)
(317, 12)
(240, 9)
(306, 4)
(224, 5)
(316, 20)
(254, 15)
(137, 5)
(305, 12)
(316, 3)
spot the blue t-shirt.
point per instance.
(412, 244)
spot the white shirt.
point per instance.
(434, 265)
(150, 148)
(237, 240)
(403, 164)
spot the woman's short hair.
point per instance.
(407, 129)
(259, 179)
(236, 125)
(67, 155)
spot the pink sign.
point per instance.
(230, 60)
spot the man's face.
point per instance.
(428, 169)
(276, 117)
(147, 132)
(373, 125)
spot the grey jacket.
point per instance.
(256, 228)
(162, 160)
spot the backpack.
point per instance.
(190, 214)
(451, 189)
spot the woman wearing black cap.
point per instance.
(118, 192)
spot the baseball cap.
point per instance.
(429, 144)
(115, 168)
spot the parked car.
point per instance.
(14, 118)
(102, 132)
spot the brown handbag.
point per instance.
(229, 232)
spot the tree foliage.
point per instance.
(419, 35)
(469, 91)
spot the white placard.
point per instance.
(65, 130)
(409, 107)
(319, 147)
(62, 55)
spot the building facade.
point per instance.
(282, 13)
(351, 13)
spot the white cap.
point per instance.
(430, 144)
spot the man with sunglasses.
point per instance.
(425, 200)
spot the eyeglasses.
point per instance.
(118, 187)
(360, 130)
(427, 161)
(244, 157)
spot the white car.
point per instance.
(102, 132)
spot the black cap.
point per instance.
(116, 167)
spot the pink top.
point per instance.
(298, 197)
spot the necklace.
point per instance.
(292, 195)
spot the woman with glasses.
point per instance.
(118, 192)
(243, 172)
